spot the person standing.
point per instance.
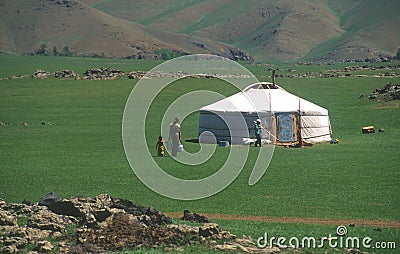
(175, 135)
(258, 128)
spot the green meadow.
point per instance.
(72, 145)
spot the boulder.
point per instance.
(102, 73)
(209, 230)
(44, 246)
(100, 225)
(136, 74)
(194, 217)
(387, 93)
(65, 207)
(9, 249)
(67, 74)
(49, 199)
(40, 74)
(6, 219)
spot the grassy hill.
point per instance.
(267, 29)
(27, 25)
(369, 28)
(276, 30)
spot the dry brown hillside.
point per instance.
(26, 25)
(332, 30)
(276, 29)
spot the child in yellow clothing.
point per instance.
(160, 146)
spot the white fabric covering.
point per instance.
(263, 104)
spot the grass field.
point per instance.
(80, 151)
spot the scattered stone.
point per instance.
(194, 217)
(102, 73)
(389, 70)
(6, 219)
(47, 124)
(105, 224)
(44, 246)
(41, 74)
(26, 202)
(9, 249)
(239, 55)
(47, 220)
(185, 229)
(122, 230)
(67, 74)
(17, 76)
(91, 211)
(213, 230)
(182, 74)
(136, 74)
(199, 44)
(388, 93)
(245, 245)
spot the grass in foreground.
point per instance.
(80, 152)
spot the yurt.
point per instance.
(286, 118)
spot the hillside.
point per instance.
(276, 30)
(26, 25)
(333, 30)
(370, 29)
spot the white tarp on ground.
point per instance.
(263, 104)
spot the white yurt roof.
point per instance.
(265, 100)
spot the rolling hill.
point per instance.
(332, 30)
(84, 30)
(282, 30)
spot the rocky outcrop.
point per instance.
(194, 217)
(387, 93)
(104, 224)
(66, 74)
(40, 74)
(136, 74)
(96, 73)
(102, 73)
(238, 55)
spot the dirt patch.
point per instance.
(388, 105)
(318, 221)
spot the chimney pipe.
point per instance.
(273, 77)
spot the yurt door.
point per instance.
(286, 127)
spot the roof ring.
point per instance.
(262, 85)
